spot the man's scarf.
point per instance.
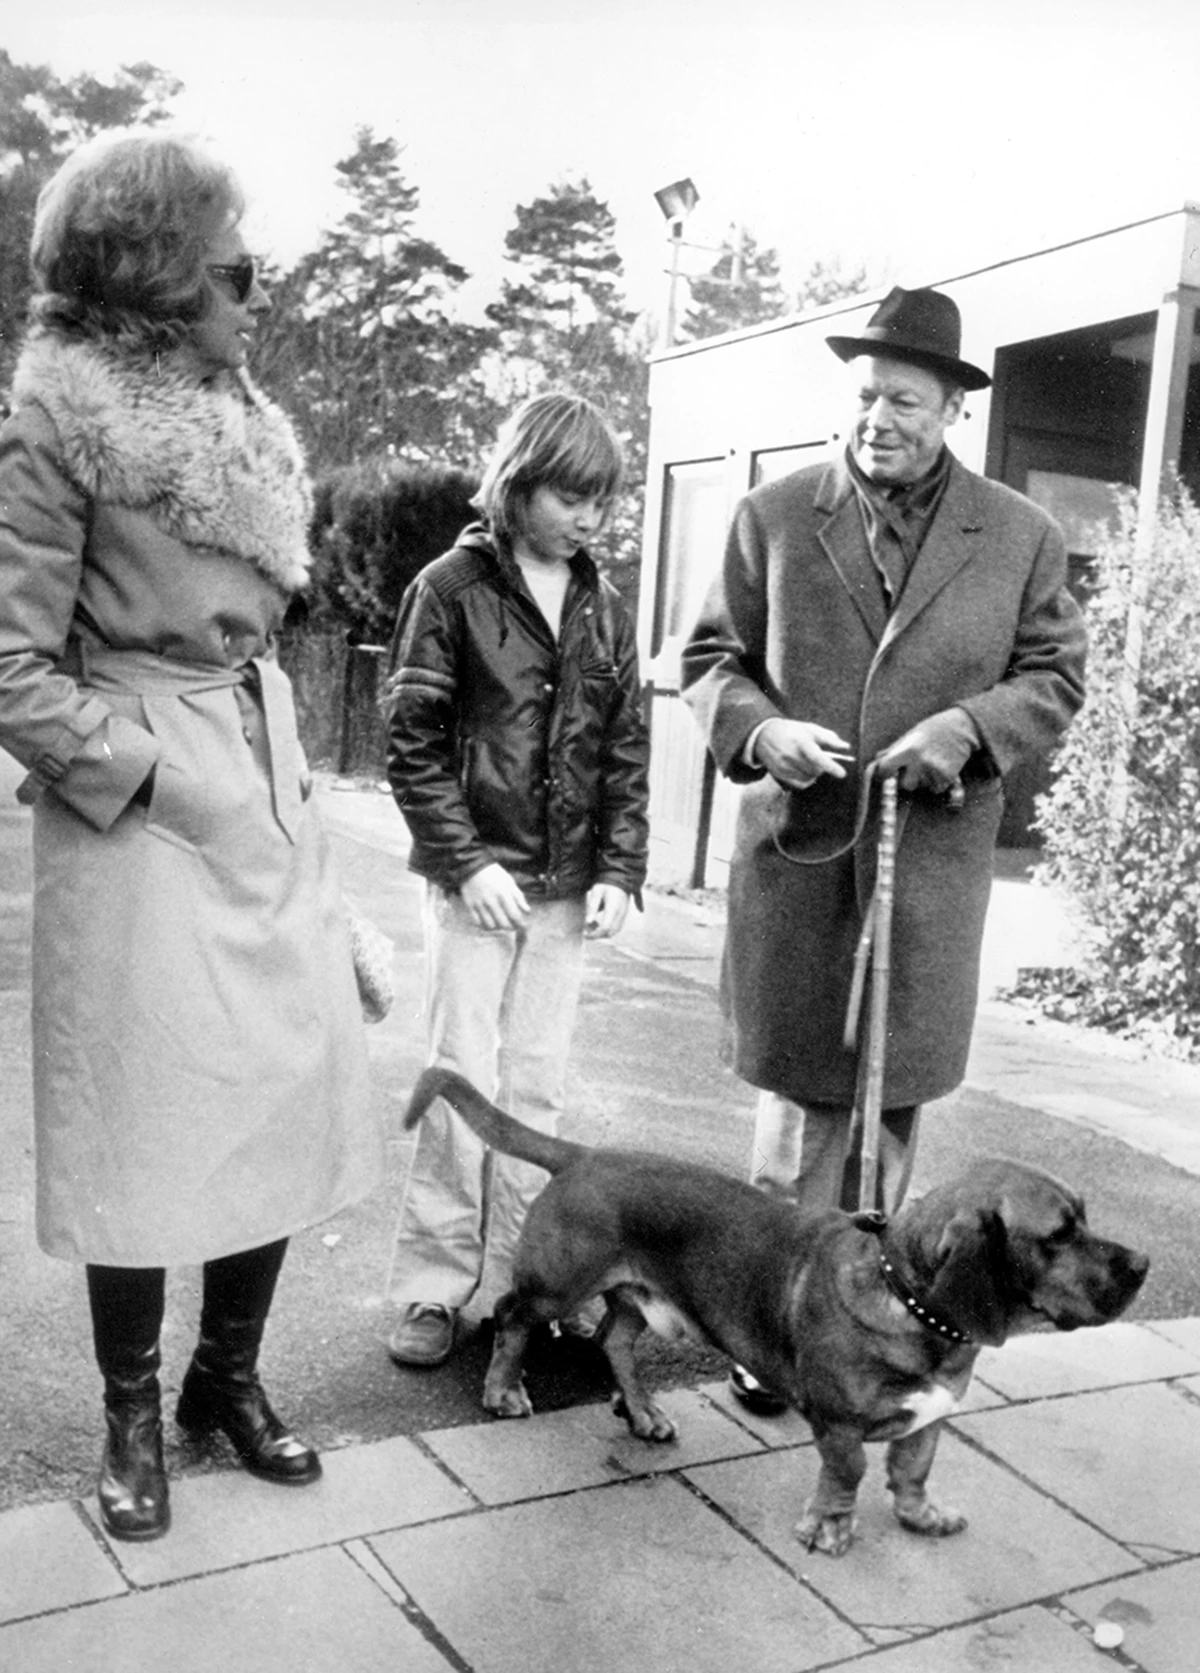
(897, 519)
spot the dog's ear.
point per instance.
(970, 1285)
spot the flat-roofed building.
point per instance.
(1093, 352)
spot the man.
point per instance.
(889, 607)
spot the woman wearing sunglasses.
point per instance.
(200, 1080)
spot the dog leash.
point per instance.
(860, 824)
(874, 947)
(875, 943)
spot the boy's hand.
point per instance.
(607, 905)
(494, 900)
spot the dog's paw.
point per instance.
(927, 1518)
(649, 1423)
(828, 1532)
(508, 1400)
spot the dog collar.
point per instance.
(925, 1315)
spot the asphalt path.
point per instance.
(645, 1073)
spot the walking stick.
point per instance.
(880, 917)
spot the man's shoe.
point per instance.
(425, 1335)
(755, 1396)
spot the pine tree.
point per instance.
(562, 316)
(741, 288)
(42, 119)
(362, 345)
(826, 282)
(563, 323)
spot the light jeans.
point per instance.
(501, 1007)
(811, 1153)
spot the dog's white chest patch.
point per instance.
(930, 1405)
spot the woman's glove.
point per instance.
(932, 754)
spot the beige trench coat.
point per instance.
(199, 1063)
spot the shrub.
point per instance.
(374, 526)
(1136, 889)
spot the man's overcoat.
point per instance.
(797, 625)
(200, 1077)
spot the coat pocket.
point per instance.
(180, 808)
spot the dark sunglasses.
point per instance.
(241, 276)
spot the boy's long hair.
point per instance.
(552, 441)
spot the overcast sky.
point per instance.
(920, 137)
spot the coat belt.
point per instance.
(144, 672)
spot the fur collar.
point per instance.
(214, 465)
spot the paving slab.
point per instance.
(1184, 1332)
(1126, 1459)
(50, 1560)
(230, 1518)
(1058, 1362)
(582, 1446)
(314, 1613)
(1018, 1546)
(1026, 1641)
(788, 1429)
(640, 1577)
(1159, 1613)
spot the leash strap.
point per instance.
(861, 813)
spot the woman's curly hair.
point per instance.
(120, 236)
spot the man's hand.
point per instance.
(933, 753)
(607, 905)
(494, 899)
(797, 752)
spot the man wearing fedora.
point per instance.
(887, 612)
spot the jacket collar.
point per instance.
(583, 565)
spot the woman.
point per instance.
(200, 1082)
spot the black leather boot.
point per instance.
(221, 1389)
(127, 1310)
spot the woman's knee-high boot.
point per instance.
(221, 1389)
(127, 1313)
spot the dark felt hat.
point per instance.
(918, 325)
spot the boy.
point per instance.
(518, 755)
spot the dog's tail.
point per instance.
(497, 1130)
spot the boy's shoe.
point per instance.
(755, 1396)
(425, 1335)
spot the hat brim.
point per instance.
(960, 372)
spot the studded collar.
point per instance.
(876, 1223)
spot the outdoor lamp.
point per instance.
(676, 202)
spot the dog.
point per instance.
(869, 1328)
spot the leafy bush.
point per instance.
(1136, 888)
(374, 526)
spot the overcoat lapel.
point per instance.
(845, 542)
(955, 538)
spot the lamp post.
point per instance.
(676, 202)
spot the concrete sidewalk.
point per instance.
(561, 1545)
